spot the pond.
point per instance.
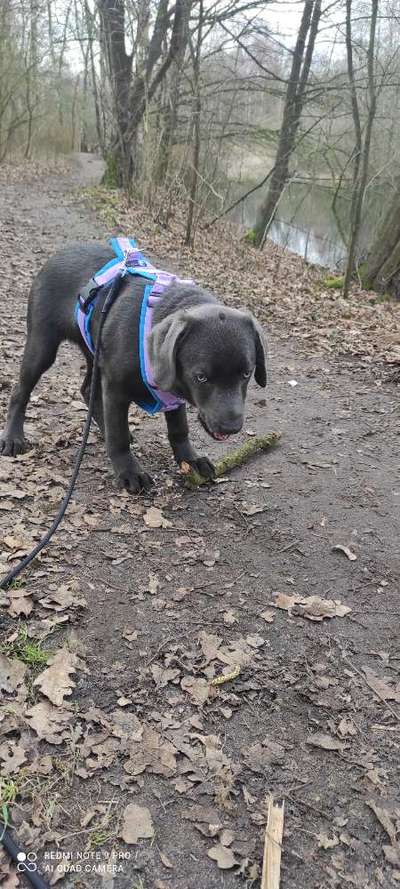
(305, 223)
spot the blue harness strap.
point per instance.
(129, 260)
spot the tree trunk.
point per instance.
(299, 74)
(362, 151)
(381, 271)
(194, 173)
(133, 90)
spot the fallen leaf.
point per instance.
(227, 837)
(166, 861)
(268, 616)
(12, 756)
(250, 508)
(50, 723)
(198, 689)
(324, 842)
(12, 672)
(20, 602)
(151, 753)
(154, 518)
(129, 635)
(55, 681)
(163, 676)
(137, 824)
(381, 686)
(224, 857)
(346, 550)
(325, 741)
(259, 757)
(311, 607)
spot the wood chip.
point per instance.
(271, 872)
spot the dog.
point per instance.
(201, 351)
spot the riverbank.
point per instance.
(280, 287)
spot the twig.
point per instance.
(271, 872)
(231, 461)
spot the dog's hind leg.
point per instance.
(98, 415)
(39, 354)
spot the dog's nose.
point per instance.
(231, 426)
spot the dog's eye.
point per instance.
(246, 374)
(201, 378)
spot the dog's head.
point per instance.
(207, 354)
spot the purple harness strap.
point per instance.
(130, 261)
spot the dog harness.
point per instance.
(130, 261)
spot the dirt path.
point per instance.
(169, 608)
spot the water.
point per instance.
(305, 222)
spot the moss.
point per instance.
(111, 178)
(234, 459)
(251, 237)
(332, 282)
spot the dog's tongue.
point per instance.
(219, 436)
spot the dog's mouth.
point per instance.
(217, 436)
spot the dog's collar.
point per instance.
(130, 261)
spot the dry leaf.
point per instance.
(55, 681)
(50, 723)
(163, 676)
(137, 824)
(325, 741)
(229, 618)
(151, 753)
(324, 842)
(381, 686)
(166, 861)
(198, 689)
(259, 757)
(224, 857)
(250, 508)
(20, 602)
(268, 616)
(311, 607)
(346, 550)
(12, 756)
(154, 518)
(12, 672)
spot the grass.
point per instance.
(27, 650)
(332, 282)
(9, 789)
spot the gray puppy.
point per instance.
(200, 351)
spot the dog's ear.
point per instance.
(163, 345)
(260, 373)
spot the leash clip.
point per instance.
(88, 294)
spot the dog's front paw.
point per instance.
(134, 480)
(204, 467)
(11, 445)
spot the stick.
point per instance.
(236, 458)
(271, 872)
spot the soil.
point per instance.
(312, 717)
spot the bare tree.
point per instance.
(362, 144)
(134, 87)
(301, 64)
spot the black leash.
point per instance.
(8, 579)
(25, 866)
(33, 876)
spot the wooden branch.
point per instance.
(232, 460)
(271, 872)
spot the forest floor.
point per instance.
(119, 755)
